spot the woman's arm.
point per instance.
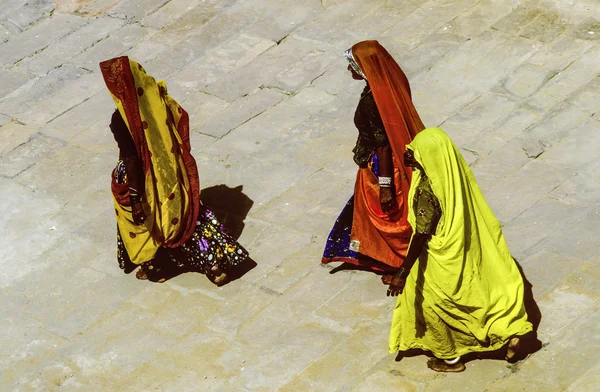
(133, 166)
(398, 280)
(426, 221)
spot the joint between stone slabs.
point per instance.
(309, 40)
(18, 62)
(152, 12)
(274, 88)
(13, 119)
(269, 291)
(239, 125)
(203, 91)
(317, 77)
(280, 40)
(20, 171)
(68, 110)
(42, 17)
(206, 134)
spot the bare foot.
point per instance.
(141, 275)
(440, 366)
(513, 347)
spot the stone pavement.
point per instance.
(516, 83)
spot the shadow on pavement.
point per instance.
(230, 205)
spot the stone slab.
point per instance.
(546, 27)
(477, 19)
(516, 193)
(64, 50)
(27, 154)
(216, 63)
(579, 151)
(583, 189)
(241, 111)
(546, 217)
(264, 69)
(578, 238)
(135, 11)
(587, 30)
(114, 45)
(23, 13)
(11, 81)
(13, 135)
(419, 24)
(38, 37)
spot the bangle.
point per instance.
(134, 198)
(402, 272)
(385, 182)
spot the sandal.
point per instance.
(512, 348)
(141, 275)
(217, 275)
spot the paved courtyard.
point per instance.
(516, 84)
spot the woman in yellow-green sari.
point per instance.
(460, 291)
(162, 225)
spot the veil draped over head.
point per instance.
(160, 131)
(468, 289)
(385, 237)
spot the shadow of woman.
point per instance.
(230, 206)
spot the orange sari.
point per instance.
(383, 237)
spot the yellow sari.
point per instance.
(160, 130)
(465, 293)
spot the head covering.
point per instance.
(391, 91)
(160, 130)
(385, 236)
(468, 289)
(348, 55)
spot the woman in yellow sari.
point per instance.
(162, 225)
(460, 291)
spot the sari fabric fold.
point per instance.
(465, 292)
(160, 130)
(385, 236)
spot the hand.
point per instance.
(396, 284)
(386, 199)
(137, 210)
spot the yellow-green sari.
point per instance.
(160, 130)
(465, 293)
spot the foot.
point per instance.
(513, 347)
(439, 365)
(141, 275)
(219, 277)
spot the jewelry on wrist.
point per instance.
(134, 198)
(385, 182)
(402, 272)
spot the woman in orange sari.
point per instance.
(373, 231)
(162, 225)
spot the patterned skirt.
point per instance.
(210, 245)
(338, 247)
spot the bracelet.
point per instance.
(385, 182)
(134, 198)
(402, 272)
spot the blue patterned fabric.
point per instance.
(338, 242)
